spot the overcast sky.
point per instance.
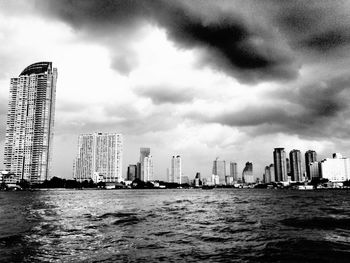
(198, 78)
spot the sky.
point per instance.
(196, 78)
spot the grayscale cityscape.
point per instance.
(176, 131)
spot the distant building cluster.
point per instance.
(335, 169)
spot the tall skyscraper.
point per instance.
(310, 157)
(176, 169)
(233, 171)
(247, 174)
(279, 159)
(144, 152)
(295, 165)
(148, 168)
(99, 153)
(219, 169)
(30, 123)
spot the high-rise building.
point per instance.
(295, 165)
(247, 174)
(267, 175)
(99, 153)
(310, 157)
(148, 168)
(219, 169)
(144, 152)
(30, 123)
(315, 170)
(272, 173)
(279, 160)
(233, 171)
(132, 172)
(176, 169)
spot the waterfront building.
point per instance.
(279, 159)
(176, 169)
(272, 173)
(99, 153)
(336, 169)
(132, 172)
(233, 171)
(219, 169)
(148, 168)
(295, 166)
(30, 123)
(267, 175)
(144, 152)
(197, 180)
(310, 156)
(315, 170)
(247, 174)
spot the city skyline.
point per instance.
(153, 75)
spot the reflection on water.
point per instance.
(175, 225)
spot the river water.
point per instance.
(220, 225)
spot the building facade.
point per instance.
(100, 153)
(295, 166)
(132, 172)
(336, 169)
(176, 169)
(219, 169)
(233, 171)
(144, 152)
(310, 157)
(279, 160)
(148, 168)
(247, 175)
(30, 123)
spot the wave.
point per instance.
(318, 222)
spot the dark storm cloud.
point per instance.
(318, 110)
(165, 94)
(246, 50)
(322, 26)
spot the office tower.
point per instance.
(219, 169)
(310, 156)
(132, 172)
(138, 171)
(267, 175)
(176, 169)
(99, 153)
(288, 167)
(272, 173)
(315, 170)
(279, 159)
(144, 152)
(233, 171)
(197, 179)
(247, 174)
(336, 169)
(295, 165)
(30, 123)
(148, 168)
